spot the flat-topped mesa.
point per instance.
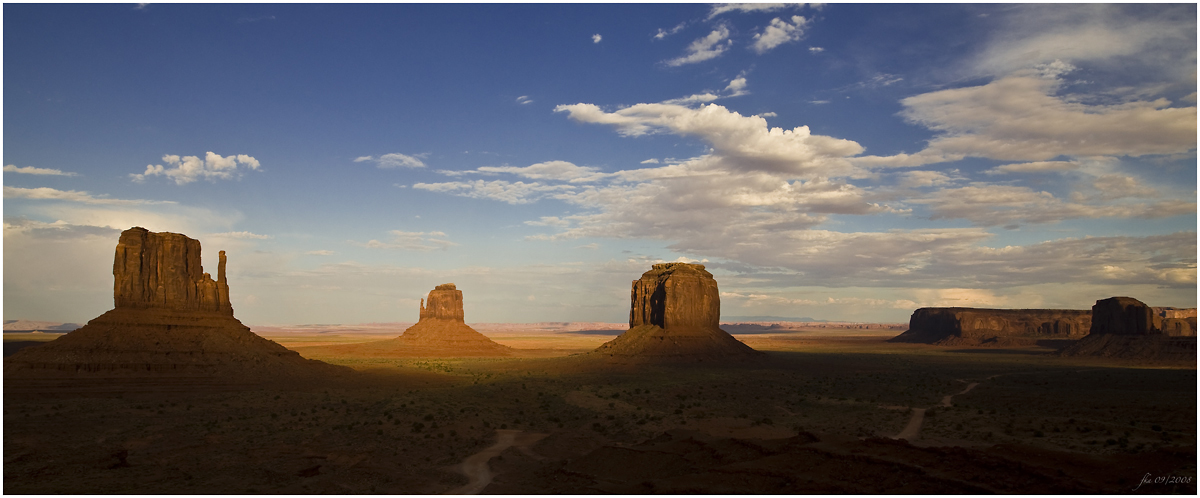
(445, 302)
(163, 270)
(675, 295)
(979, 326)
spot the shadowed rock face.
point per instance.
(675, 295)
(162, 270)
(1124, 316)
(674, 312)
(445, 302)
(967, 326)
(1124, 327)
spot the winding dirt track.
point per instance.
(475, 467)
(912, 431)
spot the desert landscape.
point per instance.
(168, 393)
(599, 248)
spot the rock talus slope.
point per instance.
(674, 312)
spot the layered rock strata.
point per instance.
(169, 316)
(1126, 328)
(1002, 327)
(674, 312)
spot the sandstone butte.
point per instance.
(441, 332)
(996, 327)
(674, 313)
(169, 318)
(1123, 327)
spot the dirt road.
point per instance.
(475, 467)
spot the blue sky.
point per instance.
(840, 162)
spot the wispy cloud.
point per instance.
(719, 9)
(30, 170)
(1020, 118)
(1033, 167)
(778, 32)
(499, 190)
(663, 33)
(524, 99)
(321, 252)
(239, 235)
(413, 241)
(709, 47)
(397, 160)
(46, 193)
(188, 169)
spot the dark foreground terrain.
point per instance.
(816, 415)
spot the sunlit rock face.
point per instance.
(674, 312)
(441, 331)
(170, 318)
(977, 326)
(445, 302)
(162, 270)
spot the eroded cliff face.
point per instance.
(674, 313)
(163, 270)
(445, 302)
(982, 326)
(674, 295)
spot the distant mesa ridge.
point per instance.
(979, 326)
(169, 316)
(674, 312)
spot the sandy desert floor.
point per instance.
(819, 413)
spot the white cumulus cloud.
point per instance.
(187, 169)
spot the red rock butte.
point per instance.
(674, 313)
(441, 332)
(169, 318)
(1126, 328)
